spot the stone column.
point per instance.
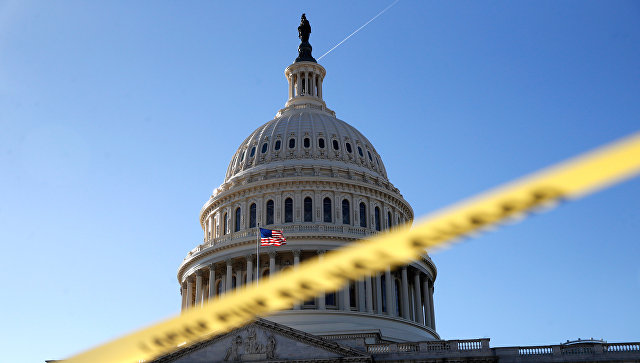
(249, 269)
(319, 87)
(198, 288)
(272, 263)
(379, 294)
(405, 294)
(299, 83)
(290, 79)
(238, 272)
(204, 229)
(229, 283)
(369, 288)
(210, 235)
(320, 299)
(212, 281)
(418, 298)
(296, 262)
(433, 315)
(183, 292)
(346, 298)
(189, 292)
(361, 296)
(388, 282)
(427, 307)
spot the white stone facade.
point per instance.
(323, 183)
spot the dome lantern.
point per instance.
(305, 76)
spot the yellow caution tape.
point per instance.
(399, 246)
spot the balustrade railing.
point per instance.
(622, 347)
(408, 347)
(287, 229)
(577, 350)
(443, 348)
(473, 344)
(435, 346)
(378, 348)
(535, 350)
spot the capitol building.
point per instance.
(322, 182)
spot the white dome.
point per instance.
(306, 137)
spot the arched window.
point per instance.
(336, 145)
(252, 215)
(360, 151)
(277, 146)
(326, 207)
(292, 143)
(369, 153)
(242, 156)
(346, 212)
(377, 218)
(264, 148)
(306, 142)
(224, 224)
(269, 219)
(349, 150)
(308, 209)
(389, 220)
(253, 152)
(321, 143)
(237, 224)
(288, 210)
(363, 215)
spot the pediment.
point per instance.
(265, 340)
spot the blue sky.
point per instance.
(118, 119)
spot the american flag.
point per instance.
(270, 237)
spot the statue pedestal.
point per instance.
(304, 53)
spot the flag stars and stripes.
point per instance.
(269, 237)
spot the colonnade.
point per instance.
(406, 292)
(305, 83)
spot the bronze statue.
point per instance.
(304, 29)
(304, 49)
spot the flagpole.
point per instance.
(257, 254)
